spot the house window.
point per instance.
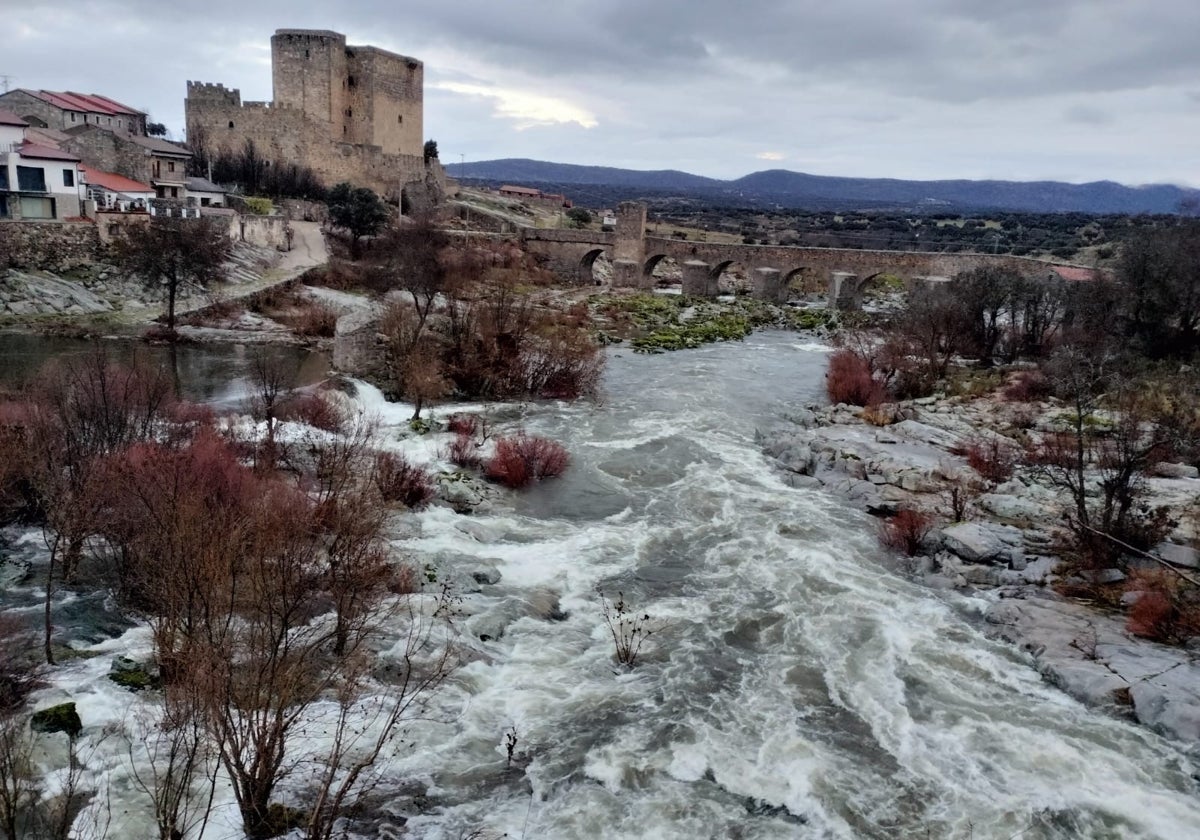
(72, 116)
(3, 177)
(68, 177)
(36, 207)
(31, 179)
(174, 192)
(118, 123)
(171, 166)
(108, 120)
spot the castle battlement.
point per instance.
(208, 92)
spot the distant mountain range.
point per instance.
(591, 185)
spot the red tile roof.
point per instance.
(90, 102)
(113, 182)
(32, 150)
(9, 118)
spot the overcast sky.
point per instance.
(1074, 90)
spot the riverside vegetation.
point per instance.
(256, 554)
(1071, 411)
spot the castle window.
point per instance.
(306, 53)
(343, 129)
(349, 112)
(231, 123)
(400, 119)
(350, 81)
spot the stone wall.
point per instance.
(48, 246)
(267, 231)
(110, 152)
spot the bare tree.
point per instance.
(175, 253)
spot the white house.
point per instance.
(36, 182)
(204, 193)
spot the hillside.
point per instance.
(799, 190)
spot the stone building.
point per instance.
(151, 160)
(63, 110)
(350, 113)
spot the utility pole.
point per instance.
(4, 81)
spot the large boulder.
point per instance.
(985, 542)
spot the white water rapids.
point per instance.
(796, 686)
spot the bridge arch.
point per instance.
(806, 281)
(588, 265)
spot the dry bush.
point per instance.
(1028, 386)
(992, 458)
(880, 414)
(470, 425)
(312, 409)
(463, 451)
(1167, 608)
(907, 530)
(399, 481)
(522, 459)
(850, 380)
(311, 319)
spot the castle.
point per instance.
(351, 113)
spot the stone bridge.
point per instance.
(844, 272)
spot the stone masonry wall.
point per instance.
(108, 151)
(48, 246)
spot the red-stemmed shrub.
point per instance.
(993, 459)
(465, 424)
(313, 410)
(463, 451)
(399, 481)
(850, 380)
(523, 459)
(1167, 608)
(907, 530)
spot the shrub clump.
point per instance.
(522, 459)
(907, 530)
(992, 459)
(850, 380)
(399, 481)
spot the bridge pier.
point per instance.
(768, 285)
(843, 290)
(698, 280)
(626, 274)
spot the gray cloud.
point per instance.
(1080, 89)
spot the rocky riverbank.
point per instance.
(909, 456)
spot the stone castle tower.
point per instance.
(351, 113)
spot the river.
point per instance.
(795, 685)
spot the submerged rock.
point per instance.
(60, 718)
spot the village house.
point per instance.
(64, 110)
(205, 193)
(530, 194)
(111, 191)
(36, 181)
(150, 160)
